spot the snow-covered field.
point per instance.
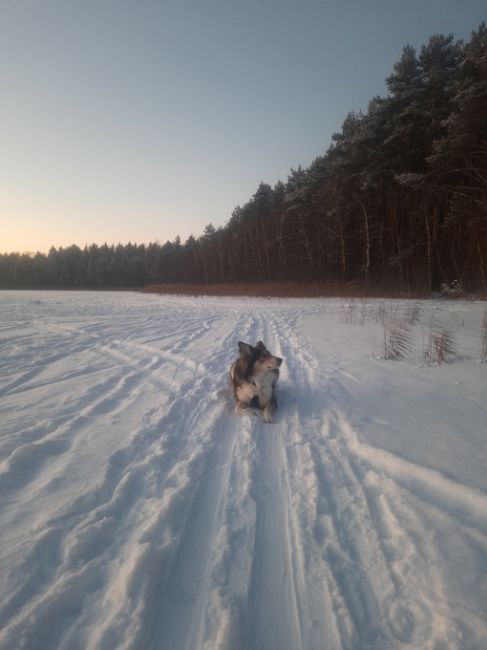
(138, 511)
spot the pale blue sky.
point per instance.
(137, 120)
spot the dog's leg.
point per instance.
(269, 409)
(241, 406)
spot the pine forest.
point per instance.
(397, 202)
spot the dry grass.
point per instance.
(441, 344)
(397, 340)
(277, 290)
(483, 355)
(379, 314)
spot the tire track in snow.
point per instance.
(273, 602)
(275, 599)
(241, 534)
(184, 607)
(209, 531)
(184, 600)
(351, 550)
(126, 473)
(392, 486)
(468, 504)
(358, 577)
(186, 488)
(267, 604)
(41, 365)
(70, 336)
(227, 601)
(317, 611)
(206, 611)
(23, 464)
(386, 597)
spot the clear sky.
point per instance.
(137, 120)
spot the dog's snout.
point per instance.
(279, 361)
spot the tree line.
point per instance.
(398, 201)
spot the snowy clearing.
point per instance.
(138, 511)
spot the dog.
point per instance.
(254, 377)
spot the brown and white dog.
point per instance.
(254, 377)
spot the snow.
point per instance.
(138, 511)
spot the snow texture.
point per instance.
(138, 511)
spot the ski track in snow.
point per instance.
(138, 511)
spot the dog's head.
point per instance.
(258, 357)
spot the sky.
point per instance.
(141, 120)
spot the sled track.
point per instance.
(199, 529)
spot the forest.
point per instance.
(398, 201)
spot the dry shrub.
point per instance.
(353, 313)
(441, 344)
(397, 339)
(364, 312)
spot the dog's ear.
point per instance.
(260, 344)
(245, 349)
